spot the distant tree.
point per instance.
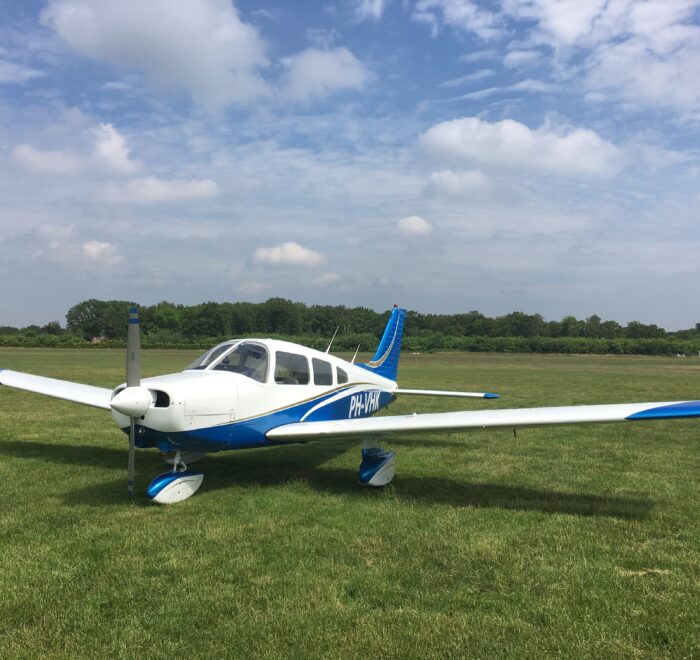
(572, 327)
(637, 330)
(519, 324)
(281, 316)
(96, 318)
(86, 318)
(31, 330)
(611, 330)
(162, 316)
(114, 318)
(52, 328)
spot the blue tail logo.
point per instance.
(386, 360)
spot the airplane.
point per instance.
(247, 393)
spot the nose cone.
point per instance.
(132, 401)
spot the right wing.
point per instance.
(89, 395)
(483, 419)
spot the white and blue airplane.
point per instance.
(259, 392)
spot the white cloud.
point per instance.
(562, 20)
(449, 182)
(50, 162)
(61, 244)
(253, 288)
(481, 55)
(468, 78)
(521, 58)
(16, 73)
(117, 86)
(534, 86)
(645, 52)
(153, 190)
(370, 9)
(528, 85)
(464, 15)
(637, 73)
(201, 47)
(512, 145)
(101, 252)
(111, 150)
(313, 74)
(483, 93)
(414, 225)
(291, 254)
(327, 279)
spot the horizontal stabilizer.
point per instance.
(89, 395)
(469, 395)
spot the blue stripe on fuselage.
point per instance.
(684, 409)
(251, 432)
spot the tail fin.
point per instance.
(386, 360)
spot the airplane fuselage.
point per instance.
(226, 404)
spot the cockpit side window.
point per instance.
(342, 376)
(291, 369)
(323, 372)
(248, 359)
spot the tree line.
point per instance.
(166, 324)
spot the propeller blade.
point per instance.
(133, 379)
(132, 456)
(133, 350)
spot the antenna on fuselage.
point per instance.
(357, 350)
(332, 338)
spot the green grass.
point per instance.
(570, 541)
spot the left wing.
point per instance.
(484, 419)
(89, 395)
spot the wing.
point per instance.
(98, 397)
(484, 419)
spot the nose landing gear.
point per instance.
(176, 485)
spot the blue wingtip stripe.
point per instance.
(491, 395)
(684, 409)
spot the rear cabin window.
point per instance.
(291, 369)
(342, 376)
(323, 372)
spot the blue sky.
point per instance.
(447, 155)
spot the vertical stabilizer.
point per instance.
(386, 360)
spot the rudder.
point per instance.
(386, 359)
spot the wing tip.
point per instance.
(491, 395)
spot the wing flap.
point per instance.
(89, 395)
(484, 419)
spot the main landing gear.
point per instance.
(378, 466)
(376, 470)
(178, 484)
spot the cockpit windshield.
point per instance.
(247, 358)
(213, 354)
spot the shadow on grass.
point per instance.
(284, 464)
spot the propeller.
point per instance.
(134, 400)
(133, 379)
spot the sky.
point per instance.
(445, 155)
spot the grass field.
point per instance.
(560, 542)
